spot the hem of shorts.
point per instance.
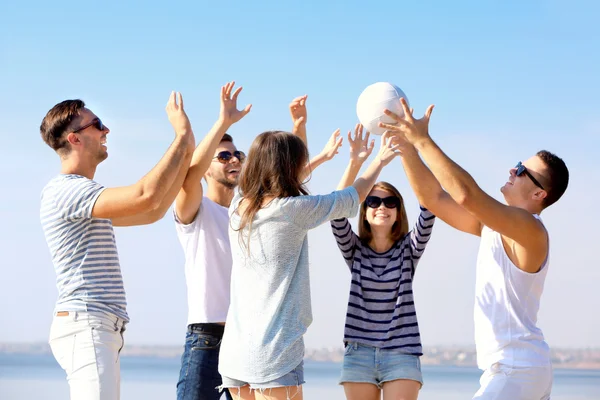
(403, 378)
(342, 381)
(251, 386)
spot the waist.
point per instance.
(209, 328)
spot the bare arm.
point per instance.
(157, 214)
(360, 150)
(299, 117)
(512, 222)
(388, 151)
(430, 194)
(190, 196)
(328, 152)
(149, 192)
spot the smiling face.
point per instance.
(521, 190)
(381, 217)
(226, 173)
(91, 140)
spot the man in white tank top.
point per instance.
(511, 265)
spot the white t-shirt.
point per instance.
(205, 244)
(507, 301)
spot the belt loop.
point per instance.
(75, 315)
(355, 345)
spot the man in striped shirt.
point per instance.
(77, 216)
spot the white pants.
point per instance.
(501, 382)
(87, 347)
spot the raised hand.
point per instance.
(333, 145)
(360, 148)
(388, 149)
(177, 116)
(229, 111)
(298, 112)
(412, 129)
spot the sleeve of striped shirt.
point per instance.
(346, 239)
(419, 236)
(76, 196)
(309, 212)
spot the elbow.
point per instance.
(463, 196)
(149, 202)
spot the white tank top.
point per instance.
(507, 301)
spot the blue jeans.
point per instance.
(199, 376)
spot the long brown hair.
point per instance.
(400, 227)
(272, 169)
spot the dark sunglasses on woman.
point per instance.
(388, 202)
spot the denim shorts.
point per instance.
(367, 364)
(293, 378)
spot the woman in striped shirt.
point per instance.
(382, 340)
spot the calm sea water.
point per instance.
(39, 376)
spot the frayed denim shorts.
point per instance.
(367, 364)
(293, 378)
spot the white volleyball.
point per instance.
(373, 100)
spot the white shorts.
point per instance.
(501, 382)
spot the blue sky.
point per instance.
(508, 78)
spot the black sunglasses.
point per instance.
(225, 156)
(521, 169)
(388, 202)
(97, 123)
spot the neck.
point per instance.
(529, 207)
(381, 241)
(219, 193)
(78, 166)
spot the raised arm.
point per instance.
(329, 151)
(428, 190)
(387, 152)
(299, 117)
(360, 150)
(515, 223)
(430, 194)
(190, 196)
(149, 193)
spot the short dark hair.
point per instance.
(227, 138)
(558, 176)
(56, 122)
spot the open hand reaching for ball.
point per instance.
(414, 130)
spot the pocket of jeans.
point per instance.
(204, 341)
(349, 349)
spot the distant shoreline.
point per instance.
(460, 356)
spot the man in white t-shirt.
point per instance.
(512, 263)
(202, 224)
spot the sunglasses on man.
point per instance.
(388, 202)
(521, 169)
(96, 122)
(225, 156)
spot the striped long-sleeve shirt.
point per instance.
(381, 308)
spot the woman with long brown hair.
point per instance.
(270, 309)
